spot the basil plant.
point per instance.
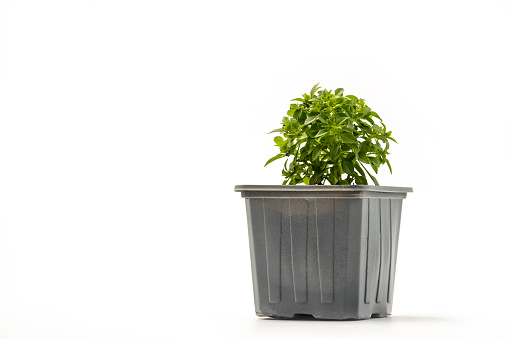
(327, 136)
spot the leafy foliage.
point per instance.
(331, 137)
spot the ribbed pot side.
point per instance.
(329, 252)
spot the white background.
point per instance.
(124, 126)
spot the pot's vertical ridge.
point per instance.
(325, 225)
(287, 286)
(313, 285)
(373, 251)
(395, 213)
(352, 220)
(385, 245)
(272, 220)
(257, 248)
(298, 209)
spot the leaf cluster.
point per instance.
(327, 136)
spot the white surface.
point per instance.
(118, 119)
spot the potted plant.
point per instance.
(326, 250)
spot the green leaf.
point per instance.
(278, 156)
(348, 138)
(359, 169)
(374, 114)
(310, 120)
(366, 110)
(361, 179)
(387, 145)
(392, 139)
(304, 151)
(279, 141)
(302, 137)
(369, 120)
(373, 179)
(371, 176)
(320, 133)
(389, 166)
(374, 167)
(375, 161)
(314, 89)
(363, 158)
(298, 99)
(277, 130)
(298, 112)
(341, 120)
(316, 153)
(334, 153)
(339, 91)
(306, 180)
(347, 166)
(332, 178)
(322, 118)
(352, 97)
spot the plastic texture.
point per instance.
(325, 251)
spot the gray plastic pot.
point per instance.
(325, 251)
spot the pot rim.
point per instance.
(322, 188)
